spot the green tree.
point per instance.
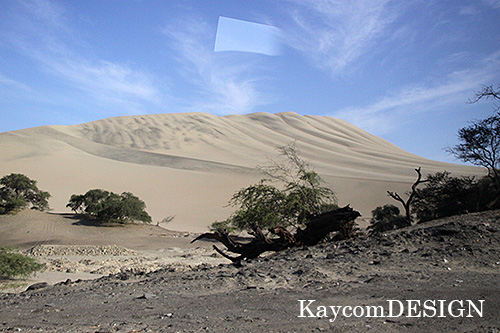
(480, 145)
(480, 142)
(386, 218)
(18, 192)
(259, 206)
(264, 205)
(107, 206)
(445, 195)
(13, 264)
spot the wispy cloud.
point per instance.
(40, 31)
(336, 33)
(492, 3)
(392, 111)
(469, 10)
(106, 80)
(13, 84)
(225, 84)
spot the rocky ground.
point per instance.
(451, 259)
(113, 259)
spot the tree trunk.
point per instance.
(317, 228)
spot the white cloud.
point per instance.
(492, 3)
(105, 80)
(9, 83)
(226, 85)
(469, 10)
(40, 31)
(336, 33)
(391, 111)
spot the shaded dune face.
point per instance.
(189, 164)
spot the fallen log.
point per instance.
(316, 229)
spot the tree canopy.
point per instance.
(106, 206)
(480, 145)
(18, 192)
(480, 141)
(264, 205)
(444, 195)
(386, 218)
(14, 264)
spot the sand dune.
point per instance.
(188, 165)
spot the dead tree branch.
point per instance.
(407, 204)
(317, 228)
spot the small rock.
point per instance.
(147, 296)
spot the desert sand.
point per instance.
(74, 248)
(189, 165)
(150, 278)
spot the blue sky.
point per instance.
(403, 70)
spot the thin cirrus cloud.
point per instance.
(225, 85)
(338, 32)
(39, 31)
(13, 84)
(390, 111)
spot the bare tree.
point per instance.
(407, 204)
(486, 93)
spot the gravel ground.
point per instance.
(79, 250)
(451, 259)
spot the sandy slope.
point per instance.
(188, 165)
(33, 228)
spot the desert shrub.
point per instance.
(259, 206)
(444, 196)
(264, 205)
(107, 206)
(13, 264)
(18, 192)
(386, 218)
(222, 225)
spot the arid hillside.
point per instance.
(188, 165)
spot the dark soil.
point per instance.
(456, 258)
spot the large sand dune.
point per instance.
(188, 165)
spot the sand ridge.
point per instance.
(188, 165)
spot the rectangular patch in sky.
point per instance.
(244, 36)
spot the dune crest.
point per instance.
(189, 164)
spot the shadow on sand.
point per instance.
(82, 220)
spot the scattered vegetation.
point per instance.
(13, 264)
(480, 142)
(386, 218)
(263, 205)
(444, 195)
(302, 213)
(105, 206)
(480, 145)
(411, 195)
(18, 192)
